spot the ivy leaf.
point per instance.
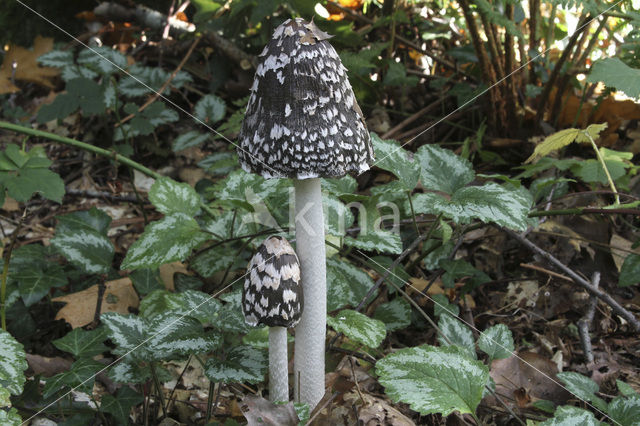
(188, 140)
(395, 315)
(119, 406)
(441, 306)
(242, 364)
(359, 327)
(582, 387)
(82, 240)
(82, 343)
(25, 173)
(391, 157)
(210, 109)
(12, 363)
(442, 170)
(146, 280)
(567, 415)
(458, 333)
(169, 196)
(433, 380)
(347, 284)
(168, 240)
(81, 376)
(497, 342)
(625, 411)
(615, 73)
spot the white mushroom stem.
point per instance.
(311, 331)
(278, 365)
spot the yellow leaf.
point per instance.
(553, 143)
(592, 130)
(27, 67)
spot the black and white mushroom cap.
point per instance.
(272, 293)
(302, 120)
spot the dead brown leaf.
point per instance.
(373, 411)
(27, 68)
(80, 307)
(259, 411)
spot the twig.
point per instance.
(585, 322)
(617, 308)
(5, 272)
(404, 123)
(159, 92)
(545, 271)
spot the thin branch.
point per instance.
(617, 308)
(585, 322)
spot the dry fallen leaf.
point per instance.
(259, 411)
(376, 411)
(27, 68)
(168, 271)
(80, 307)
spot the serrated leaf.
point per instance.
(582, 387)
(380, 242)
(337, 217)
(615, 73)
(12, 363)
(593, 131)
(625, 411)
(347, 284)
(220, 163)
(81, 238)
(346, 185)
(392, 157)
(56, 58)
(554, 142)
(625, 389)
(442, 170)
(169, 196)
(83, 343)
(145, 80)
(119, 406)
(102, 59)
(188, 140)
(567, 415)
(458, 333)
(359, 327)
(630, 271)
(146, 280)
(241, 364)
(72, 72)
(433, 380)
(168, 240)
(25, 173)
(395, 315)
(210, 109)
(497, 342)
(215, 259)
(591, 170)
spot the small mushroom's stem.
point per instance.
(311, 331)
(278, 365)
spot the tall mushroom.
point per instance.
(272, 296)
(303, 122)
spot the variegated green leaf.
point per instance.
(215, 259)
(12, 363)
(497, 342)
(392, 157)
(395, 315)
(458, 333)
(119, 406)
(625, 411)
(189, 139)
(80, 376)
(433, 379)
(567, 415)
(168, 240)
(242, 364)
(346, 284)
(210, 109)
(358, 327)
(442, 170)
(169, 196)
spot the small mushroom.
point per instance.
(303, 122)
(272, 296)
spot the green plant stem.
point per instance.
(96, 150)
(156, 382)
(604, 166)
(5, 273)
(413, 213)
(582, 210)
